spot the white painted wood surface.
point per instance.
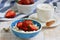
(10, 36)
(45, 34)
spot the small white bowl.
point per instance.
(26, 9)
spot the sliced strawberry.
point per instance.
(31, 1)
(25, 2)
(19, 25)
(33, 27)
(27, 22)
(19, 2)
(27, 25)
(25, 28)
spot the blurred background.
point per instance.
(6, 4)
(49, 34)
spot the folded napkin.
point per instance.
(4, 6)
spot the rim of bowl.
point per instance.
(39, 5)
(26, 32)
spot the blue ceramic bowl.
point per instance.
(25, 34)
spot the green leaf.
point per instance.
(16, 0)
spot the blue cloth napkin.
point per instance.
(3, 9)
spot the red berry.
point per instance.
(31, 1)
(19, 25)
(26, 2)
(19, 2)
(25, 28)
(27, 22)
(33, 27)
(10, 14)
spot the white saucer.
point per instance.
(55, 17)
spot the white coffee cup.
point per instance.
(45, 12)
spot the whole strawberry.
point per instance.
(10, 14)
